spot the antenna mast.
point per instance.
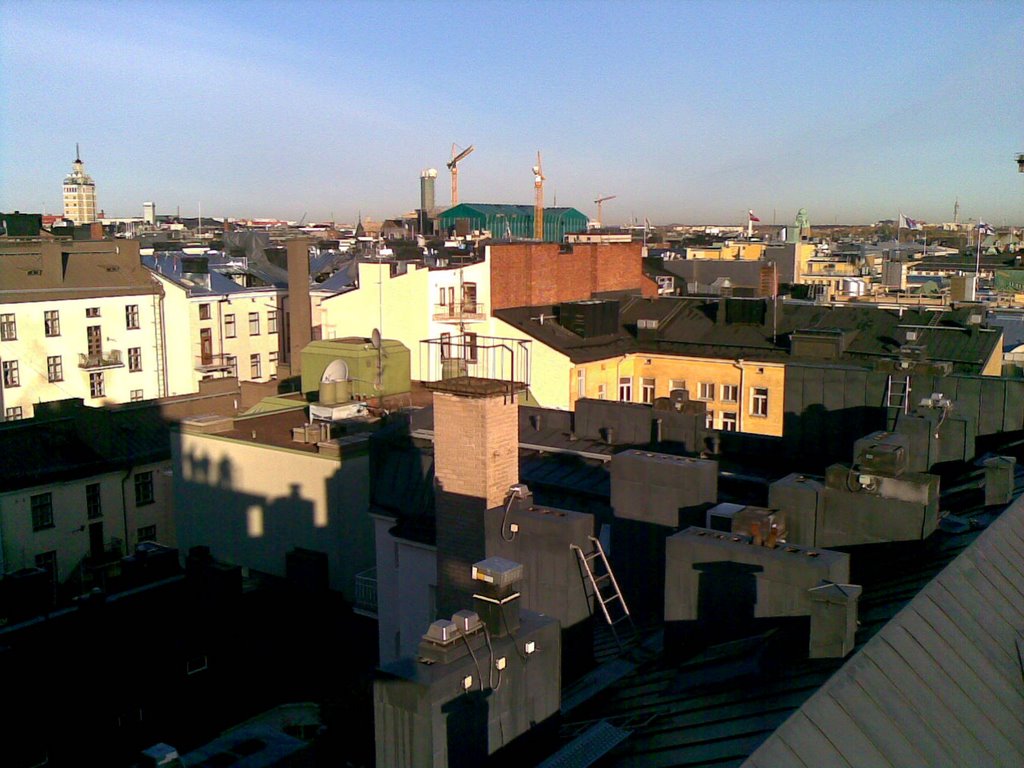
(538, 202)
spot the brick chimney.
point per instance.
(300, 316)
(476, 460)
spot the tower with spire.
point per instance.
(79, 193)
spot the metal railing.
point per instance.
(460, 311)
(478, 357)
(214, 362)
(93, 360)
(366, 593)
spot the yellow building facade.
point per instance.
(740, 395)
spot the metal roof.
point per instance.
(717, 708)
(940, 684)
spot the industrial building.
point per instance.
(508, 222)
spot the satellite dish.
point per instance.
(375, 339)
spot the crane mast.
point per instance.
(538, 202)
(453, 166)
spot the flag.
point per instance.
(908, 223)
(985, 229)
(752, 217)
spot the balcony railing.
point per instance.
(99, 360)
(460, 312)
(476, 358)
(366, 593)
(212, 362)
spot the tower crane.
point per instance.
(453, 166)
(538, 202)
(600, 199)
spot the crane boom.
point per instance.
(453, 166)
(600, 199)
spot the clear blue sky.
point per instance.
(688, 111)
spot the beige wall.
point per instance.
(252, 503)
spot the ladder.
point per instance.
(600, 583)
(897, 398)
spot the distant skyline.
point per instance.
(686, 111)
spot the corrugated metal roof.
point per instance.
(940, 684)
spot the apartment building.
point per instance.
(221, 328)
(78, 319)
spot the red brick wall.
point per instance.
(529, 274)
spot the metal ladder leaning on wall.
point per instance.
(600, 583)
(897, 399)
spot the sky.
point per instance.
(688, 112)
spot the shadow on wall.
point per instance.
(258, 531)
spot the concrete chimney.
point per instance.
(300, 316)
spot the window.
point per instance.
(232, 362)
(54, 368)
(42, 511)
(446, 346)
(93, 503)
(96, 388)
(254, 323)
(134, 359)
(254, 366)
(272, 357)
(471, 348)
(625, 389)
(759, 401)
(706, 391)
(51, 322)
(143, 488)
(131, 317)
(674, 384)
(441, 302)
(600, 392)
(647, 390)
(92, 311)
(137, 395)
(11, 376)
(48, 562)
(272, 321)
(204, 311)
(581, 382)
(13, 413)
(229, 326)
(730, 393)
(730, 423)
(709, 420)
(147, 533)
(8, 328)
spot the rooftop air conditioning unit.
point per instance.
(442, 632)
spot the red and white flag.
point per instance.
(752, 217)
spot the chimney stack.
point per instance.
(300, 316)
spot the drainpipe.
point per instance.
(124, 507)
(743, 396)
(615, 384)
(163, 345)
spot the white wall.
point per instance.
(32, 348)
(69, 535)
(406, 591)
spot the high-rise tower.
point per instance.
(79, 193)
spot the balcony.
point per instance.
(460, 312)
(98, 361)
(366, 593)
(476, 362)
(212, 362)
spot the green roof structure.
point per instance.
(508, 222)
